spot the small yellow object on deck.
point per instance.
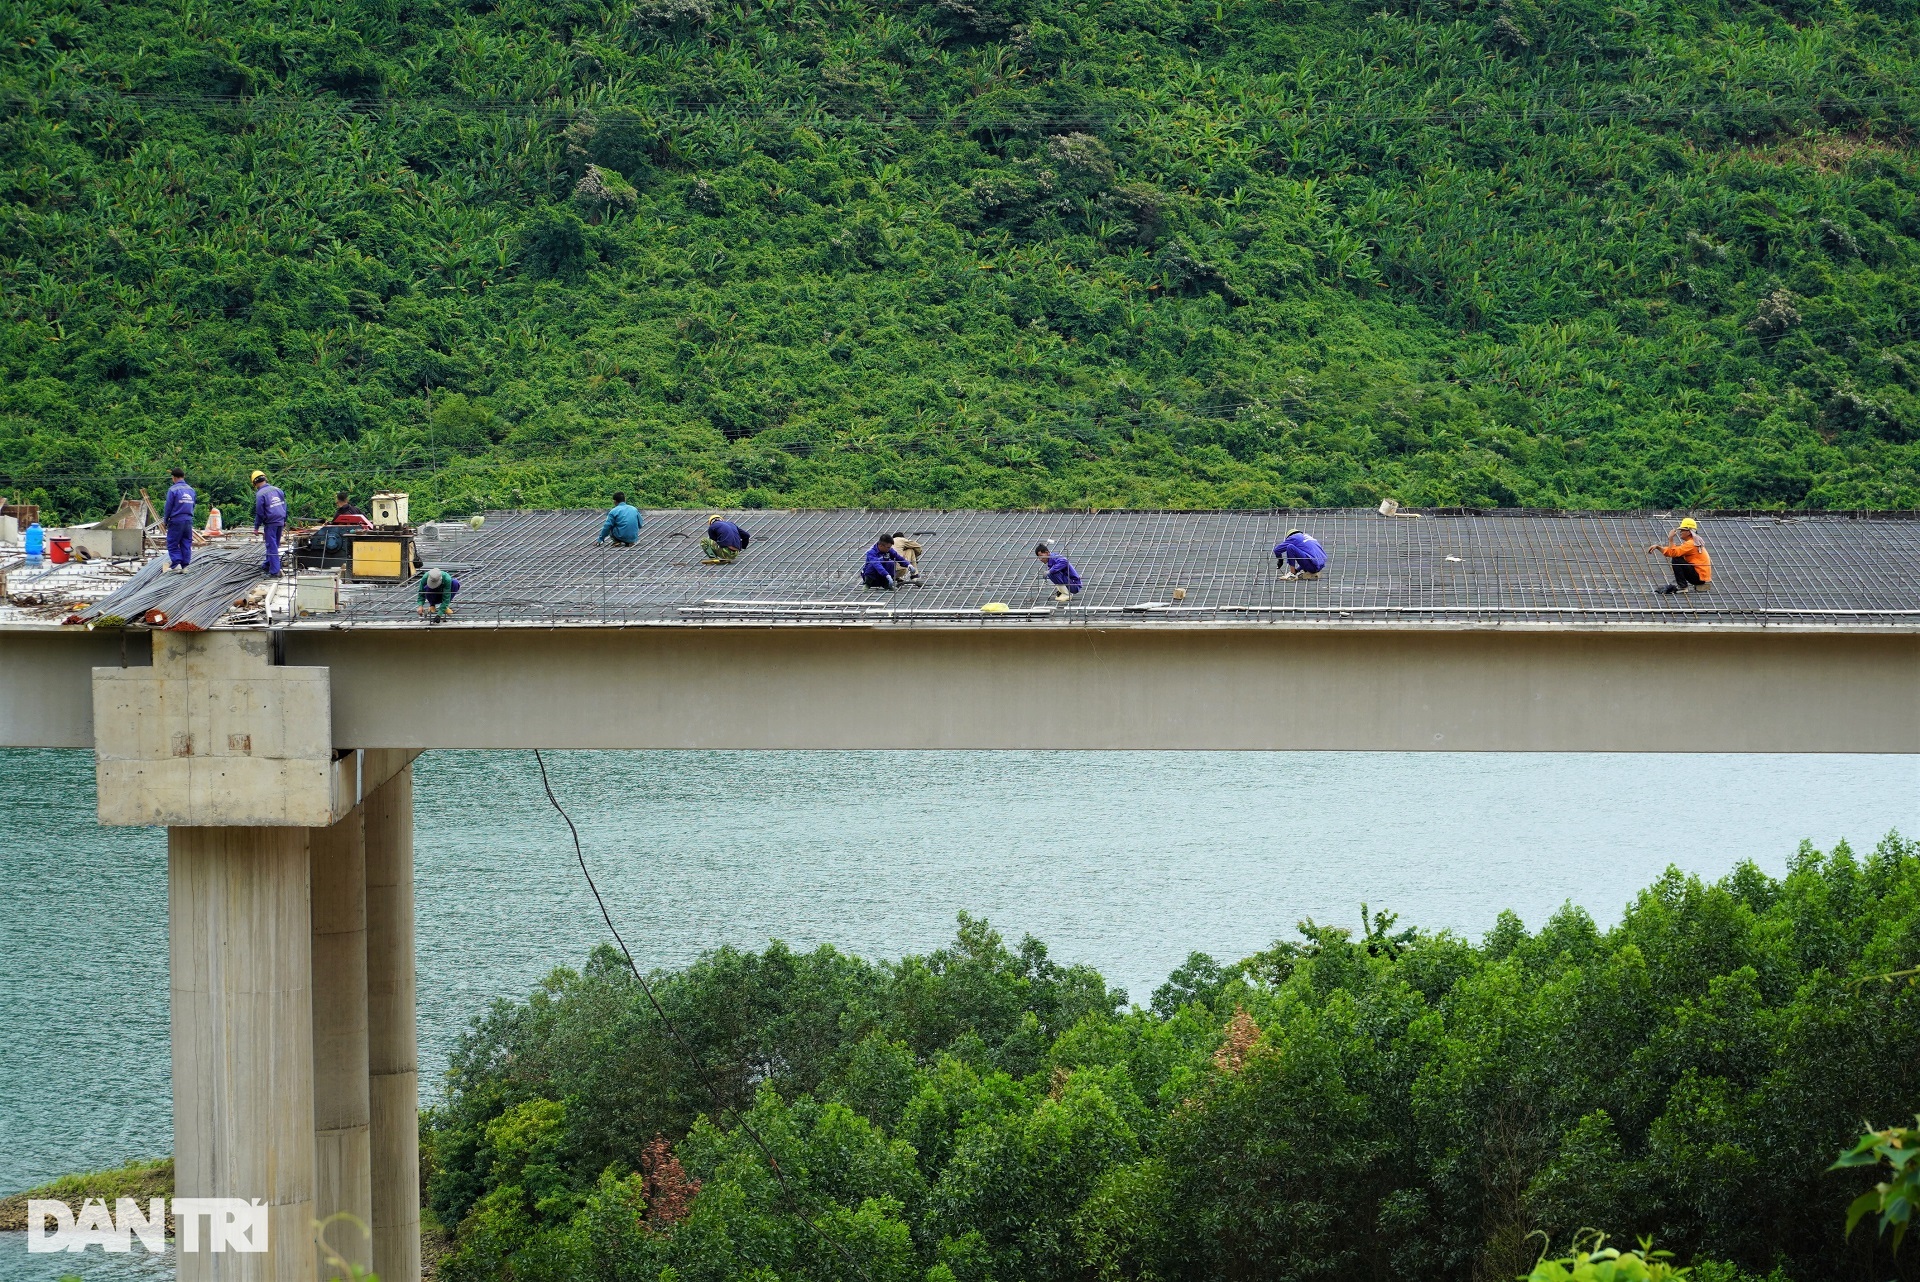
(994, 607)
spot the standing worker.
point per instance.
(1300, 556)
(1059, 572)
(623, 522)
(1692, 567)
(269, 520)
(437, 590)
(883, 567)
(178, 515)
(725, 541)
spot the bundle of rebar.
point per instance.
(190, 602)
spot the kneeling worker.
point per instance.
(437, 590)
(884, 567)
(1059, 572)
(1300, 556)
(724, 542)
(1692, 567)
(622, 524)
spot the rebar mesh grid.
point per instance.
(802, 567)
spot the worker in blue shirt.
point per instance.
(269, 520)
(437, 590)
(724, 542)
(622, 524)
(178, 516)
(1300, 556)
(1059, 572)
(884, 567)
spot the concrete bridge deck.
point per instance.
(1564, 569)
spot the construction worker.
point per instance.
(724, 542)
(1299, 556)
(1692, 567)
(178, 516)
(623, 522)
(910, 549)
(437, 590)
(1059, 572)
(345, 513)
(884, 567)
(269, 520)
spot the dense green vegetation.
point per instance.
(1380, 1104)
(964, 252)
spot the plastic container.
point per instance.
(59, 551)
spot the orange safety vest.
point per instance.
(1690, 551)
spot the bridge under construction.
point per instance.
(278, 754)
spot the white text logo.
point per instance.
(232, 1224)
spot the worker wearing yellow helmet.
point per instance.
(1692, 567)
(724, 542)
(269, 520)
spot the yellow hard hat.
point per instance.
(1689, 524)
(712, 518)
(256, 478)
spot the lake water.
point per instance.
(1125, 860)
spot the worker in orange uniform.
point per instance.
(1692, 567)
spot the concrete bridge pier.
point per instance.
(290, 914)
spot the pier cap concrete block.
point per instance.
(215, 735)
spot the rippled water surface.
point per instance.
(1125, 860)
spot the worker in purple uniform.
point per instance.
(269, 520)
(178, 516)
(1300, 556)
(725, 541)
(884, 567)
(1059, 572)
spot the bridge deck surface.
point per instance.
(802, 568)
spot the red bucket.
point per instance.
(59, 551)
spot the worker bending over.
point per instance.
(1059, 572)
(1692, 567)
(269, 520)
(437, 590)
(1300, 556)
(724, 542)
(178, 515)
(622, 524)
(884, 567)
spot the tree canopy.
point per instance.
(1371, 1103)
(1225, 253)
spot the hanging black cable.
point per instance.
(693, 1056)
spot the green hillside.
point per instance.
(964, 252)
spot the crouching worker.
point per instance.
(1059, 572)
(1300, 556)
(884, 567)
(622, 524)
(1692, 567)
(725, 541)
(910, 549)
(437, 590)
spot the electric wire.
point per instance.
(693, 1057)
